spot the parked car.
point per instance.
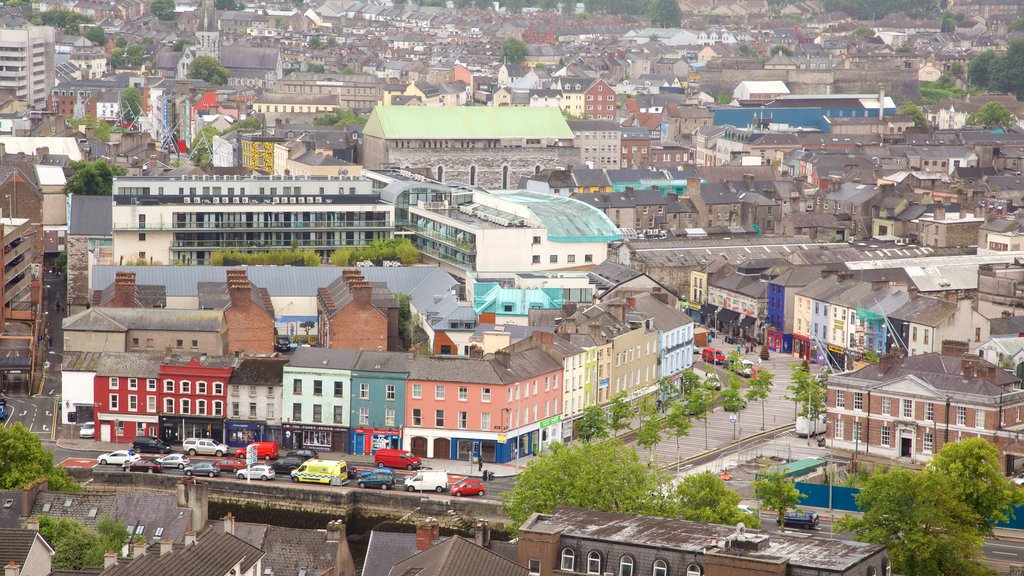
(282, 344)
(354, 473)
(393, 458)
(178, 461)
(150, 444)
(377, 479)
(205, 446)
(88, 430)
(287, 464)
(805, 520)
(746, 508)
(229, 465)
(713, 355)
(712, 381)
(427, 480)
(117, 457)
(468, 487)
(202, 468)
(142, 465)
(264, 451)
(259, 471)
(1019, 480)
(745, 368)
(306, 453)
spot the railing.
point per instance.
(259, 245)
(446, 258)
(187, 226)
(461, 245)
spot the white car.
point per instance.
(259, 471)
(747, 509)
(1019, 480)
(118, 457)
(178, 461)
(746, 368)
(88, 430)
(205, 446)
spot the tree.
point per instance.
(513, 51)
(649, 434)
(201, 150)
(68, 20)
(698, 402)
(678, 423)
(96, 35)
(122, 42)
(619, 413)
(228, 5)
(306, 327)
(992, 114)
(180, 45)
(665, 13)
(982, 70)
(208, 69)
(26, 460)
(911, 109)
(75, 546)
(94, 178)
(759, 388)
(808, 395)
(592, 424)
(162, 9)
(780, 49)
(339, 117)
(250, 122)
(130, 103)
(731, 400)
(948, 24)
(605, 476)
(100, 129)
(704, 498)
(972, 466)
(689, 381)
(316, 43)
(918, 517)
(112, 534)
(778, 493)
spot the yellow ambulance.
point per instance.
(333, 472)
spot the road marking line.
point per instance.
(1004, 553)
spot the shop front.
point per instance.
(319, 438)
(243, 433)
(550, 431)
(175, 429)
(836, 357)
(779, 342)
(802, 346)
(369, 440)
(123, 428)
(500, 448)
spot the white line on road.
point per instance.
(48, 413)
(1005, 553)
(23, 412)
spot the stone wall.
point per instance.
(489, 162)
(78, 273)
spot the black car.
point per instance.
(306, 453)
(282, 344)
(805, 520)
(377, 479)
(287, 464)
(150, 444)
(202, 468)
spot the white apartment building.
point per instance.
(186, 219)
(28, 63)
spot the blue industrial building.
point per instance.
(802, 111)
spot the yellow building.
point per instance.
(258, 152)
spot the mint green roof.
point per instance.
(566, 219)
(491, 297)
(466, 122)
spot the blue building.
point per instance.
(378, 401)
(873, 316)
(508, 303)
(803, 111)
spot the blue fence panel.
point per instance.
(816, 496)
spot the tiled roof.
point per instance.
(324, 358)
(941, 372)
(385, 549)
(154, 512)
(458, 557)
(123, 319)
(130, 364)
(291, 552)
(262, 371)
(17, 543)
(213, 554)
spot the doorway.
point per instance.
(906, 447)
(442, 448)
(419, 446)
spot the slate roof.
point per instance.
(457, 557)
(129, 364)
(215, 296)
(374, 361)
(385, 549)
(11, 516)
(153, 511)
(247, 57)
(17, 543)
(1006, 326)
(80, 361)
(213, 554)
(939, 371)
(324, 358)
(146, 295)
(925, 311)
(262, 371)
(289, 551)
(123, 319)
(608, 274)
(336, 296)
(91, 216)
(664, 317)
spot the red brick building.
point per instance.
(126, 396)
(600, 101)
(357, 314)
(249, 315)
(909, 408)
(125, 293)
(636, 148)
(192, 396)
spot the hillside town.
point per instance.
(678, 288)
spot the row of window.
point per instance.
(339, 415)
(907, 409)
(627, 565)
(571, 258)
(170, 386)
(184, 405)
(339, 389)
(516, 418)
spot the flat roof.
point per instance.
(482, 122)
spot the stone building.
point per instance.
(942, 230)
(480, 146)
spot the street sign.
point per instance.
(250, 455)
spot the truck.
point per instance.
(807, 427)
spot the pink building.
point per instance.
(497, 407)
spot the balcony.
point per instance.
(221, 244)
(457, 243)
(245, 226)
(434, 253)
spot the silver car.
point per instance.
(259, 471)
(178, 461)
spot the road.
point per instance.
(34, 412)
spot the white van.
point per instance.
(425, 480)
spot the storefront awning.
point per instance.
(747, 321)
(728, 316)
(708, 310)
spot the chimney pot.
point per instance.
(166, 546)
(109, 559)
(190, 538)
(32, 524)
(229, 524)
(139, 548)
(124, 291)
(12, 569)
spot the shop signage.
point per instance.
(551, 421)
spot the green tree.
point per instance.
(162, 9)
(650, 432)
(201, 150)
(133, 55)
(513, 51)
(94, 178)
(592, 424)
(68, 20)
(180, 45)
(339, 117)
(911, 109)
(863, 32)
(983, 68)
(723, 98)
(777, 493)
(619, 412)
(918, 517)
(122, 42)
(24, 460)
(251, 122)
(731, 399)
(307, 326)
(1017, 25)
(698, 402)
(228, 5)
(208, 69)
(972, 466)
(605, 476)
(75, 547)
(112, 534)
(130, 102)
(665, 13)
(704, 498)
(780, 49)
(96, 35)
(759, 388)
(100, 129)
(992, 114)
(316, 43)
(948, 24)
(678, 423)
(688, 382)
(807, 393)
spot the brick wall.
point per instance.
(359, 325)
(250, 328)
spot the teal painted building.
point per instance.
(491, 297)
(377, 401)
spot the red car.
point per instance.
(713, 355)
(229, 465)
(468, 487)
(143, 465)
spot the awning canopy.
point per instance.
(708, 310)
(747, 321)
(728, 316)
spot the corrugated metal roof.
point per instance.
(484, 122)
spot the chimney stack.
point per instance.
(166, 546)
(139, 548)
(954, 348)
(12, 569)
(239, 288)
(427, 534)
(482, 534)
(152, 163)
(124, 291)
(32, 524)
(968, 367)
(545, 339)
(887, 361)
(109, 559)
(335, 530)
(190, 538)
(940, 213)
(229, 524)
(362, 292)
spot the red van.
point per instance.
(264, 451)
(392, 458)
